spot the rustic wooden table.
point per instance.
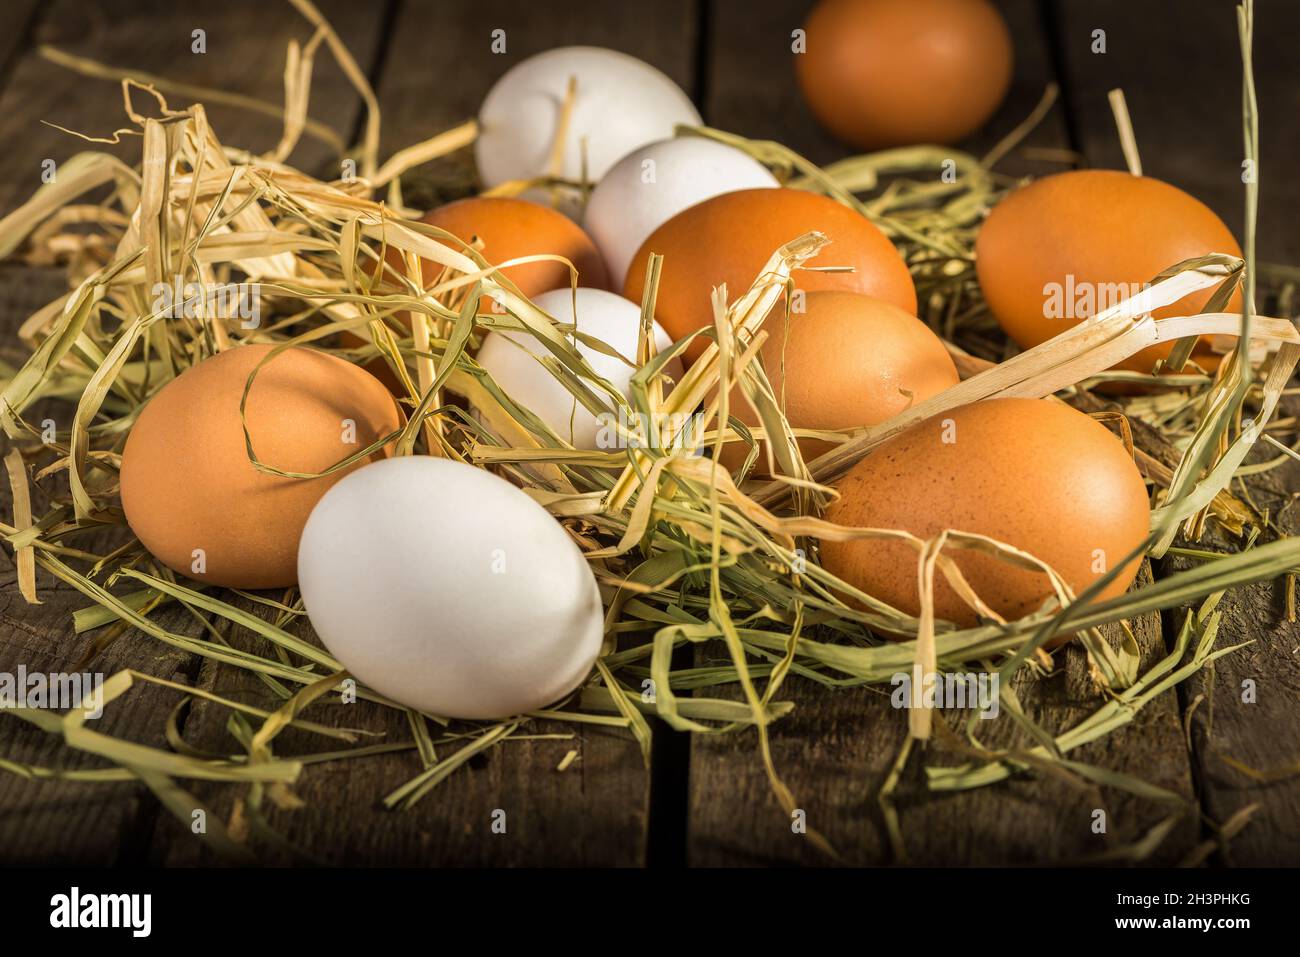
(702, 800)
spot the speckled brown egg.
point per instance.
(1063, 248)
(880, 73)
(1032, 473)
(846, 361)
(189, 491)
(730, 238)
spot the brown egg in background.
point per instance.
(1100, 232)
(846, 361)
(882, 73)
(729, 239)
(1033, 473)
(187, 482)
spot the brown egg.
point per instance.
(848, 360)
(1063, 248)
(1033, 473)
(508, 229)
(513, 228)
(730, 238)
(188, 484)
(880, 73)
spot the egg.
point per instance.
(506, 229)
(511, 358)
(1032, 473)
(621, 103)
(189, 491)
(847, 360)
(881, 73)
(514, 228)
(729, 239)
(447, 589)
(653, 183)
(1063, 248)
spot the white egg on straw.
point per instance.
(511, 358)
(448, 589)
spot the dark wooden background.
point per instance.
(703, 800)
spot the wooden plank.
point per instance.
(1198, 146)
(435, 73)
(1245, 729)
(50, 822)
(246, 43)
(22, 16)
(107, 824)
(750, 87)
(1180, 68)
(593, 813)
(46, 822)
(837, 748)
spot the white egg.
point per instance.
(621, 103)
(449, 590)
(653, 183)
(511, 359)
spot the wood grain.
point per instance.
(22, 16)
(1197, 145)
(836, 749)
(49, 822)
(593, 813)
(1189, 135)
(246, 43)
(108, 824)
(1244, 717)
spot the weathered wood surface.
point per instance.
(430, 64)
(1245, 730)
(52, 822)
(97, 823)
(1179, 67)
(246, 44)
(1193, 138)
